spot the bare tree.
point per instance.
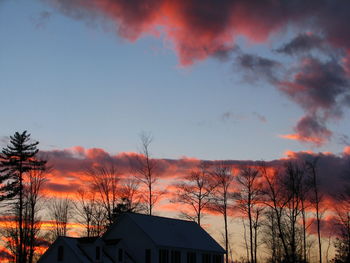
(222, 177)
(129, 191)
(195, 191)
(59, 210)
(9, 233)
(85, 206)
(304, 190)
(270, 237)
(248, 198)
(316, 200)
(342, 242)
(35, 181)
(146, 171)
(274, 197)
(105, 181)
(292, 184)
(285, 194)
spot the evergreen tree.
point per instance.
(17, 159)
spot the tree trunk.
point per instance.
(250, 231)
(20, 214)
(304, 230)
(32, 234)
(226, 233)
(317, 203)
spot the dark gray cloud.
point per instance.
(312, 129)
(319, 88)
(302, 43)
(62, 187)
(206, 27)
(256, 67)
(318, 85)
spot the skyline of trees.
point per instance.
(280, 205)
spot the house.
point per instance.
(138, 238)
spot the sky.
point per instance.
(210, 80)
(210, 83)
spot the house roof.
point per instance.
(73, 245)
(169, 232)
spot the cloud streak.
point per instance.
(69, 173)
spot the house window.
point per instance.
(175, 256)
(191, 257)
(147, 256)
(163, 256)
(98, 253)
(217, 259)
(206, 258)
(120, 255)
(60, 253)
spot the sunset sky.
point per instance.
(235, 81)
(210, 80)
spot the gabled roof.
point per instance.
(73, 244)
(169, 232)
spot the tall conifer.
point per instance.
(18, 158)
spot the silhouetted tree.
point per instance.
(195, 191)
(105, 181)
(222, 177)
(275, 199)
(248, 198)
(342, 242)
(316, 200)
(130, 195)
(270, 237)
(292, 185)
(84, 208)
(146, 171)
(59, 210)
(285, 195)
(35, 181)
(17, 159)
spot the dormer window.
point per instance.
(60, 253)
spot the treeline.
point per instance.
(277, 205)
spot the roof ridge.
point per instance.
(163, 217)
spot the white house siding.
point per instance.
(134, 239)
(68, 254)
(134, 233)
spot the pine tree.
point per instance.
(18, 158)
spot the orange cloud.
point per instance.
(346, 150)
(317, 141)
